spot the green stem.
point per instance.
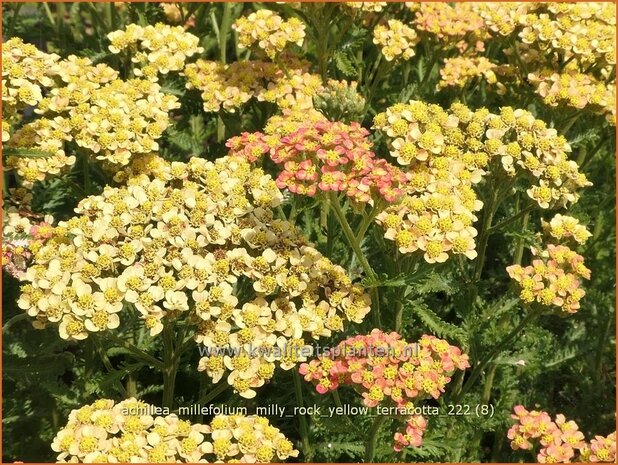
(131, 388)
(519, 252)
(485, 233)
(108, 365)
(398, 316)
(86, 173)
(601, 346)
(49, 14)
(432, 63)
(171, 366)
(355, 245)
(485, 396)
(590, 156)
(226, 23)
(304, 428)
(14, 19)
(375, 210)
(339, 404)
(523, 212)
(380, 73)
(349, 235)
(12, 321)
(140, 354)
(372, 438)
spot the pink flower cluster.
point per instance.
(553, 279)
(325, 156)
(388, 371)
(559, 439)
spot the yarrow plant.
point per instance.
(559, 440)
(396, 40)
(109, 118)
(132, 431)
(563, 227)
(553, 279)
(156, 49)
(269, 31)
(200, 197)
(166, 250)
(229, 87)
(437, 213)
(386, 370)
(326, 156)
(457, 25)
(458, 72)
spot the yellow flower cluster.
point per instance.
(564, 227)
(553, 279)
(194, 239)
(26, 73)
(444, 162)
(123, 118)
(459, 71)
(157, 49)
(447, 152)
(41, 134)
(269, 31)
(576, 90)
(457, 24)
(503, 17)
(526, 144)
(584, 32)
(228, 87)
(395, 39)
(80, 102)
(134, 431)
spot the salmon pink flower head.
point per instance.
(559, 440)
(602, 449)
(325, 156)
(387, 371)
(413, 436)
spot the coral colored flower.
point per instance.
(560, 440)
(324, 156)
(388, 371)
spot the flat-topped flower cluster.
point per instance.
(553, 279)
(112, 119)
(269, 31)
(186, 239)
(396, 40)
(559, 440)
(393, 375)
(129, 431)
(229, 87)
(156, 49)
